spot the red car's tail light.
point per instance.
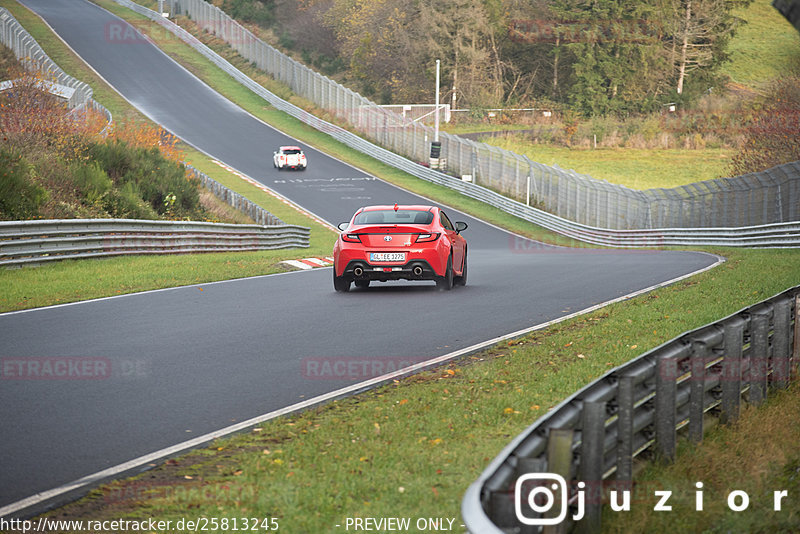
(351, 238)
(422, 238)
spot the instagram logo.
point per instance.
(544, 494)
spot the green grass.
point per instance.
(410, 449)
(74, 280)
(631, 167)
(764, 48)
(468, 128)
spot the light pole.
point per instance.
(436, 118)
(436, 146)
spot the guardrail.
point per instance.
(34, 58)
(234, 199)
(773, 235)
(594, 436)
(26, 242)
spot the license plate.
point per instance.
(387, 256)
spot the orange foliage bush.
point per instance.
(31, 118)
(142, 135)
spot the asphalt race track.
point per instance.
(165, 366)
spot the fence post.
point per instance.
(528, 191)
(697, 390)
(559, 461)
(781, 317)
(733, 341)
(666, 393)
(625, 400)
(759, 352)
(593, 434)
(796, 340)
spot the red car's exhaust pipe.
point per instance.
(417, 270)
(358, 271)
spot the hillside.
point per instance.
(764, 48)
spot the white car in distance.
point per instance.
(289, 157)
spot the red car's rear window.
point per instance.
(394, 217)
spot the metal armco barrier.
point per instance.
(693, 205)
(595, 435)
(25, 242)
(234, 199)
(31, 55)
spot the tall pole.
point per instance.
(436, 119)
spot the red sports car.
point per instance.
(400, 242)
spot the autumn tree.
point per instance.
(381, 38)
(593, 56)
(699, 31)
(467, 36)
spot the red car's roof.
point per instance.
(399, 207)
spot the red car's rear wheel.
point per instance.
(340, 283)
(445, 283)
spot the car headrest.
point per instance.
(374, 218)
(421, 218)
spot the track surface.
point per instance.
(187, 361)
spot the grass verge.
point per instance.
(410, 449)
(637, 168)
(74, 280)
